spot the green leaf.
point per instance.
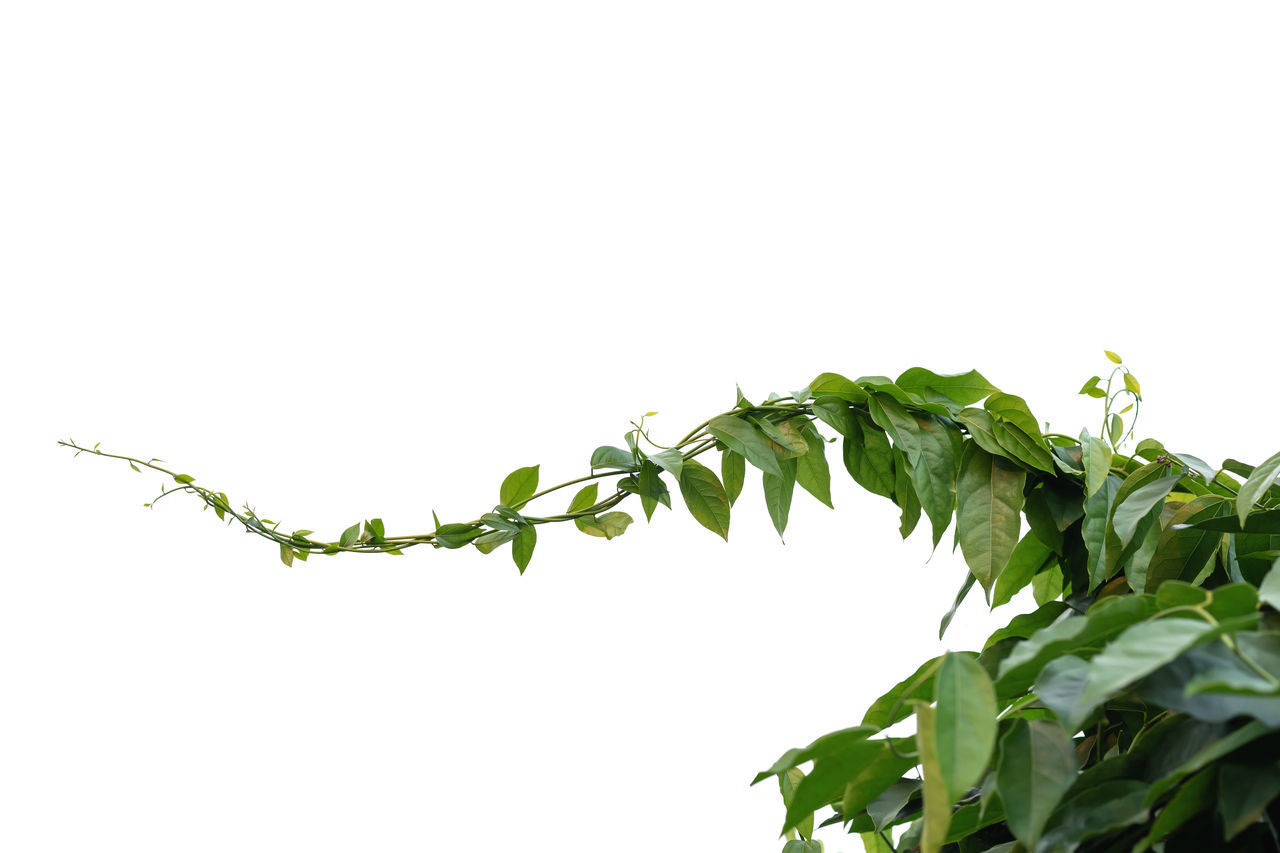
(1098, 810)
(1112, 356)
(937, 796)
(453, 535)
(490, 542)
(1184, 553)
(705, 497)
(614, 457)
(733, 468)
(670, 461)
(1091, 388)
(967, 585)
(1025, 624)
(606, 526)
(904, 494)
(1097, 514)
(286, 554)
(522, 546)
(651, 489)
(1132, 508)
(964, 722)
(1097, 462)
(1028, 557)
(778, 492)
(350, 535)
(859, 773)
(1022, 447)
(1036, 767)
(1131, 384)
(784, 437)
(895, 420)
(1194, 797)
(584, 499)
(183, 479)
(1046, 587)
(834, 412)
(1254, 487)
(829, 744)
(989, 497)
(1269, 591)
(812, 472)
(835, 385)
(933, 476)
(964, 388)
(1077, 634)
(787, 783)
(1245, 788)
(742, 438)
(519, 486)
(869, 459)
(1011, 408)
(1115, 428)
(873, 843)
(895, 705)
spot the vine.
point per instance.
(1136, 708)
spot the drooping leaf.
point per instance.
(1097, 462)
(1097, 513)
(733, 468)
(989, 499)
(1028, 557)
(670, 461)
(937, 796)
(1011, 408)
(519, 486)
(743, 438)
(812, 472)
(1036, 767)
(778, 492)
(835, 385)
(869, 459)
(897, 422)
(967, 585)
(834, 412)
(522, 546)
(1184, 553)
(964, 722)
(1131, 508)
(933, 476)
(705, 497)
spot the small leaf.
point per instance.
(184, 478)
(286, 554)
(519, 486)
(606, 526)
(522, 546)
(614, 457)
(1115, 358)
(350, 536)
(1131, 383)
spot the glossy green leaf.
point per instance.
(519, 486)
(744, 439)
(705, 497)
(1256, 486)
(964, 722)
(858, 774)
(1193, 798)
(989, 499)
(895, 705)
(1022, 447)
(829, 744)
(1097, 514)
(522, 546)
(1037, 765)
(812, 472)
(1097, 462)
(1132, 508)
(350, 536)
(1184, 554)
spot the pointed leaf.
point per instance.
(705, 497)
(519, 486)
(989, 497)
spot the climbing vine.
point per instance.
(1136, 708)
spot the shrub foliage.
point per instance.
(1136, 708)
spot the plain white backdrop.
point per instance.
(356, 259)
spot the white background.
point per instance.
(357, 259)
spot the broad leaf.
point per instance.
(705, 497)
(964, 723)
(989, 498)
(1256, 486)
(1036, 767)
(743, 438)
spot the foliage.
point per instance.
(1137, 708)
